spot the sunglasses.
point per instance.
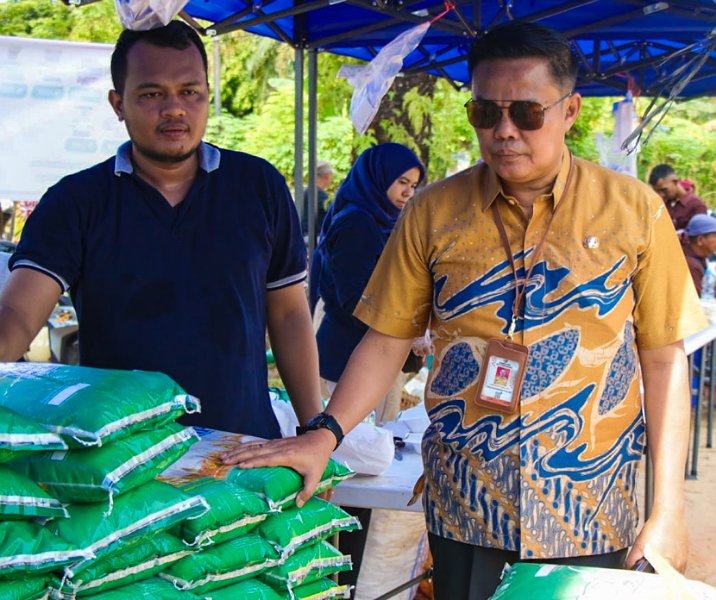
(525, 114)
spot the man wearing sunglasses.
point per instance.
(548, 282)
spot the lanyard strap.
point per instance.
(520, 293)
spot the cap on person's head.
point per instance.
(701, 225)
(323, 167)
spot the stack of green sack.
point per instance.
(254, 542)
(81, 448)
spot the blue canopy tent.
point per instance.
(612, 38)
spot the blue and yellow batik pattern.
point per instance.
(557, 478)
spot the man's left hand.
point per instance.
(665, 533)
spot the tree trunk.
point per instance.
(392, 116)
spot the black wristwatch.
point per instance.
(323, 421)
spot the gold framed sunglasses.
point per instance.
(525, 114)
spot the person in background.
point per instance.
(354, 233)
(681, 202)
(177, 254)
(699, 242)
(541, 264)
(324, 177)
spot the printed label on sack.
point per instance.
(59, 398)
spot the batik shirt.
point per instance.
(557, 477)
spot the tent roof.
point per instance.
(614, 39)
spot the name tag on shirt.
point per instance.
(503, 370)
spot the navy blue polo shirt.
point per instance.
(179, 290)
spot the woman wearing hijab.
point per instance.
(354, 232)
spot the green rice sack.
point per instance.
(20, 435)
(148, 589)
(96, 474)
(307, 564)
(222, 564)
(279, 486)
(323, 589)
(249, 589)
(138, 560)
(315, 521)
(21, 497)
(90, 407)
(233, 511)
(27, 588)
(26, 547)
(153, 507)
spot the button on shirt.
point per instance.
(556, 478)
(178, 290)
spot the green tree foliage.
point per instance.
(685, 139)
(50, 19)
(248, 62)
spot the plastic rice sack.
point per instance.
(27, 588)
(562, 582)
(21, 497)
(95, 474)
(322, 589)
(27, 547)
(306, 565)
(20, 435)
(153, 507)
(59, 396)
(249, 589)
(204, 459)
(222, 564)
(315, 521)
(233, 511)
(279, 486)
(148, 589)
(138, 560)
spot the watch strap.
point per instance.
(323, 421)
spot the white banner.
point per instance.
(54, 115)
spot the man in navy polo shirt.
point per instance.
(177, 254)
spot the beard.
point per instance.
(164, 157)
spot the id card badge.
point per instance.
(500, 381)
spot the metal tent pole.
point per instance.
(312, 129)
(298, 130)
(217, 76)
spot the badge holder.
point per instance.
(503, 370)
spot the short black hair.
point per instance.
(659, 172)
(176, 35)
(522, 39)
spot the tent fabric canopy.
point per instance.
(617, 41)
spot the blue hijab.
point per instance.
(365, 188)
(366, 185)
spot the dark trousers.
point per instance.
(466, 572)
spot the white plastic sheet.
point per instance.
(372, 81)
(610, 153)
(140, 15)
